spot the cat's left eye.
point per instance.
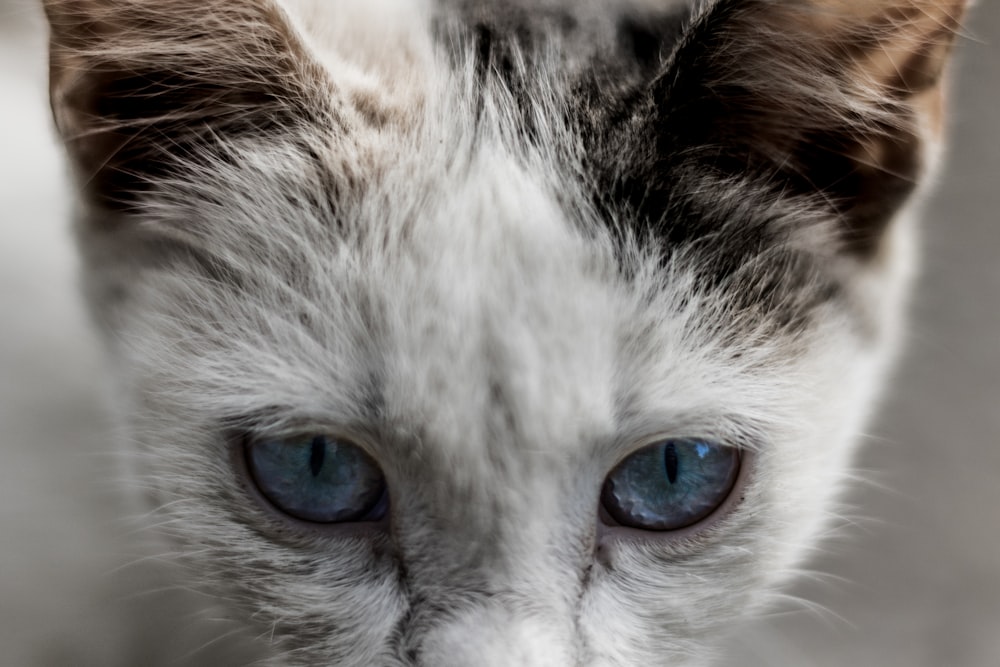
(318, 479)
(670, 485)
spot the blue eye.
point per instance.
(670, 485)
(318, 479)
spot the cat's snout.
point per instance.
(494, 636)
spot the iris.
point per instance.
(318, 479)
(671, 484)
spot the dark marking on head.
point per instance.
(133, 95)
(645, 40)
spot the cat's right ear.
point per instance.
(137, 85)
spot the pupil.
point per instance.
(317, 455)
(670, 459)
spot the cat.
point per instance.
(524, 333)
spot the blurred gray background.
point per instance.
(913, 582)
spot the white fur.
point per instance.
(515, 365)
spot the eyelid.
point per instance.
(364, 438)
(734, 429)
(634, 445)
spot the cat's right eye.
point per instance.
(318, 479)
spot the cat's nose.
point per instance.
(498, 637)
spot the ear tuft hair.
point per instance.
(136, 84)
(828, 98)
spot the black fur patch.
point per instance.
(135, 90)
(664, 104)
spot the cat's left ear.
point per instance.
(838, 100)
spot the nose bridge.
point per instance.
(488, 475)
(500, 633)
(488, 519)
(496, 582)
(491, 568)
(476, 528)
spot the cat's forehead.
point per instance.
(500, 305)
(471, 296)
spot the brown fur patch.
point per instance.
(134, 84)
(829, 98)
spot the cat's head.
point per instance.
(453, 335)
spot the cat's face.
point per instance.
(454, 336)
